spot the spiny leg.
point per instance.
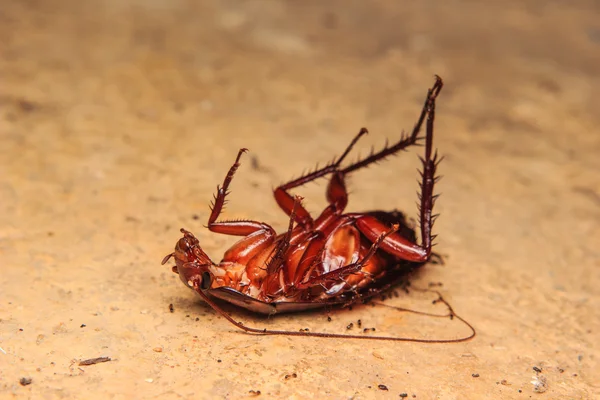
(428, 180)
(336, 192)
(235, 228)
(276, 261)
(396, 244)
(344, 271)
(272, 265)
(286, 201)
(405, 141)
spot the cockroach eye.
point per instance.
(206, 280)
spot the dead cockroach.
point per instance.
(335, 259)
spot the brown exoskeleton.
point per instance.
(337, 258)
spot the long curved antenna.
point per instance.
(196, 284)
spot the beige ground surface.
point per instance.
(119, 118)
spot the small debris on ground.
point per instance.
(92, 361)
(24, 381)
(540, 384)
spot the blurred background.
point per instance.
(119, 118)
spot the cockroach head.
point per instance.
(192, 264)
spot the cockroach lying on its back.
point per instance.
(335, 259)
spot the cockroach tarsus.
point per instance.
(336, 259)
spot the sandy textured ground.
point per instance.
(118, 119)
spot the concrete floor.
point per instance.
(118, 118)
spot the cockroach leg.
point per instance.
(286, 200)
(258, 236)
(223, 191)
(342, 272)
(405, 141)
(274, 264)
(312, 254)
(430, 164)
(336, 190)
(398, 245)
(234, 228)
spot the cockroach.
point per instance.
(335, 259)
